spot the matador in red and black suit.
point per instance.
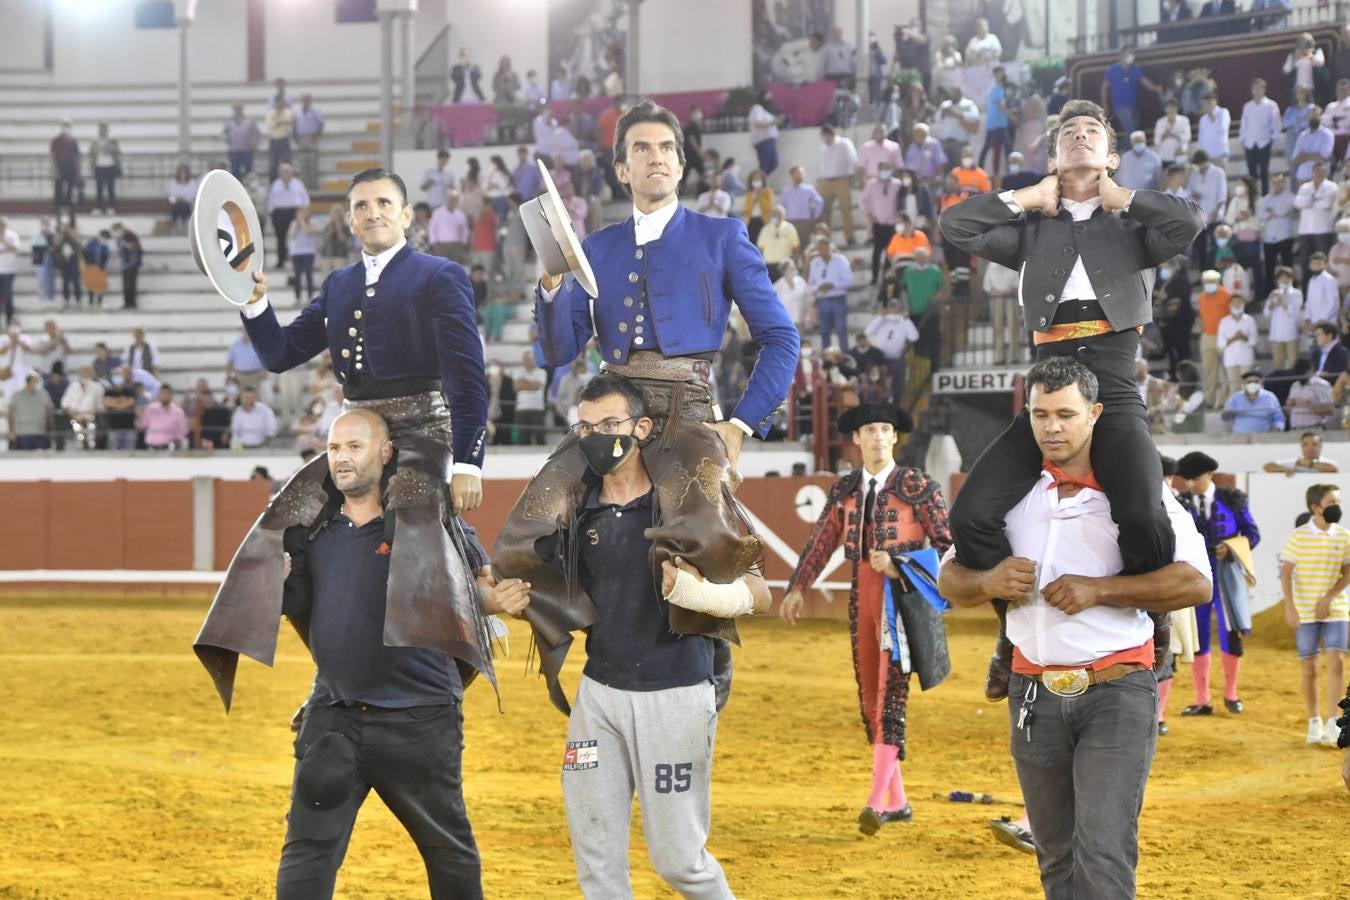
(905, 509)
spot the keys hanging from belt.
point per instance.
(1025, 714)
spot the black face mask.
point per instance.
(1332, 513)
(604, 452)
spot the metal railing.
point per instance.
(431, 87)
(1209, 28)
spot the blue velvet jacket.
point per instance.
(417, 321)
(1229, 517)
(674, 295)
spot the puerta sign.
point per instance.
(975, 381)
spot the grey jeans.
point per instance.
(1082, 772)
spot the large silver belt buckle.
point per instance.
(1068, 683)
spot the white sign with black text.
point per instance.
(975, 381)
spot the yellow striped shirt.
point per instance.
(1317, 557)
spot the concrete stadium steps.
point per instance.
(23, 88)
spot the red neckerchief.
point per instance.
(1062, 477)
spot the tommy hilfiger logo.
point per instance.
(581, 755)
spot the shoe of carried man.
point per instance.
(1198, 709)
(1010, 833)
(1162, 728)
(1000, 670)
(1233, 706)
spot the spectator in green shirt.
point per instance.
(925, 283)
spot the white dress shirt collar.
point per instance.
(650, 226)
(882, 477)
(1081, 209)
(375, 265)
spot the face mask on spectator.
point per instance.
(1332, 513)
(231, 389)
(1140, 146)
(1343, 237)
(808, 352)
(119, 380)
(1240, 190)
(884, 174)
(968, 162)
(1211, 287)
(1014, 168)
(1285, 284)
(1236, 311)
(756, 183)
(1165, 273)
(1252, 388)
(906, 181)
(1222, 242)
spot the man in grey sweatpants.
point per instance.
(645, 717)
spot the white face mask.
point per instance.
(1211, 287)
(1014, 168)
(1236, 311)
(884, 174)
(757, 184)
(1286, 285)
(907, 181)
(1222, 242)
(1252, 388)
(968, 162)
(1240, 190)
(1343, 237)
(808, 352)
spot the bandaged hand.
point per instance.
(684, 586)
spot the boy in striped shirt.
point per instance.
(1314, 572)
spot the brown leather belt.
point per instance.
(1072, 682)
(658, 367)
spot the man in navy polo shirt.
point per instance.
(379, 717)
(1120, 91)
(644, 718)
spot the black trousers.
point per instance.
(281, 223)
(411, 757)
(881, 238)
(105, 186)
(129, 277)
(1124, 460)
(1280, 253)
(1258, 165)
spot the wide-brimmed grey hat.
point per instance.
(226, 236)
(550, 229)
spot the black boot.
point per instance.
(1000, 664)
(721, 673)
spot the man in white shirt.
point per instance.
(834, 174)
(984, 47)
(1000, 286)
(82, 402)
(1172, 134)
(1337, 118)
(1322, 302)
(1215, 123)
(1207, 186)
(1277, 215)
(253, 424)
(529, 384)
(1083, 699)
(1258, 130)
(1310, 458)
(958, 121)
(438, 179)
(9, 265)
(836, 57)
(286, 195)
(1310, 403)
(830, 278)
(1284, 308)
(1140, 168)
(1237, 342)
(1316, 202)
(714, 201)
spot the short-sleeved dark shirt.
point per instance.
(632, 646)
(349, 568)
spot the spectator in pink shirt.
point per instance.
(448, 230)
(164, 423)
(872, 154)
(881, 204)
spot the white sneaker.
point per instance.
(1331, 732)
(1315, 730)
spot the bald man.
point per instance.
(379, 717)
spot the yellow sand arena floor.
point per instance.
(125, 779)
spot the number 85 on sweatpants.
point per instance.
(659, 745)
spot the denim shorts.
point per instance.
(1331, 635)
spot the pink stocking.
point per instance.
(1164, 691)
(1200, 669)
(885, 765)
(1231, 664)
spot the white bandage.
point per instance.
(726, 601)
